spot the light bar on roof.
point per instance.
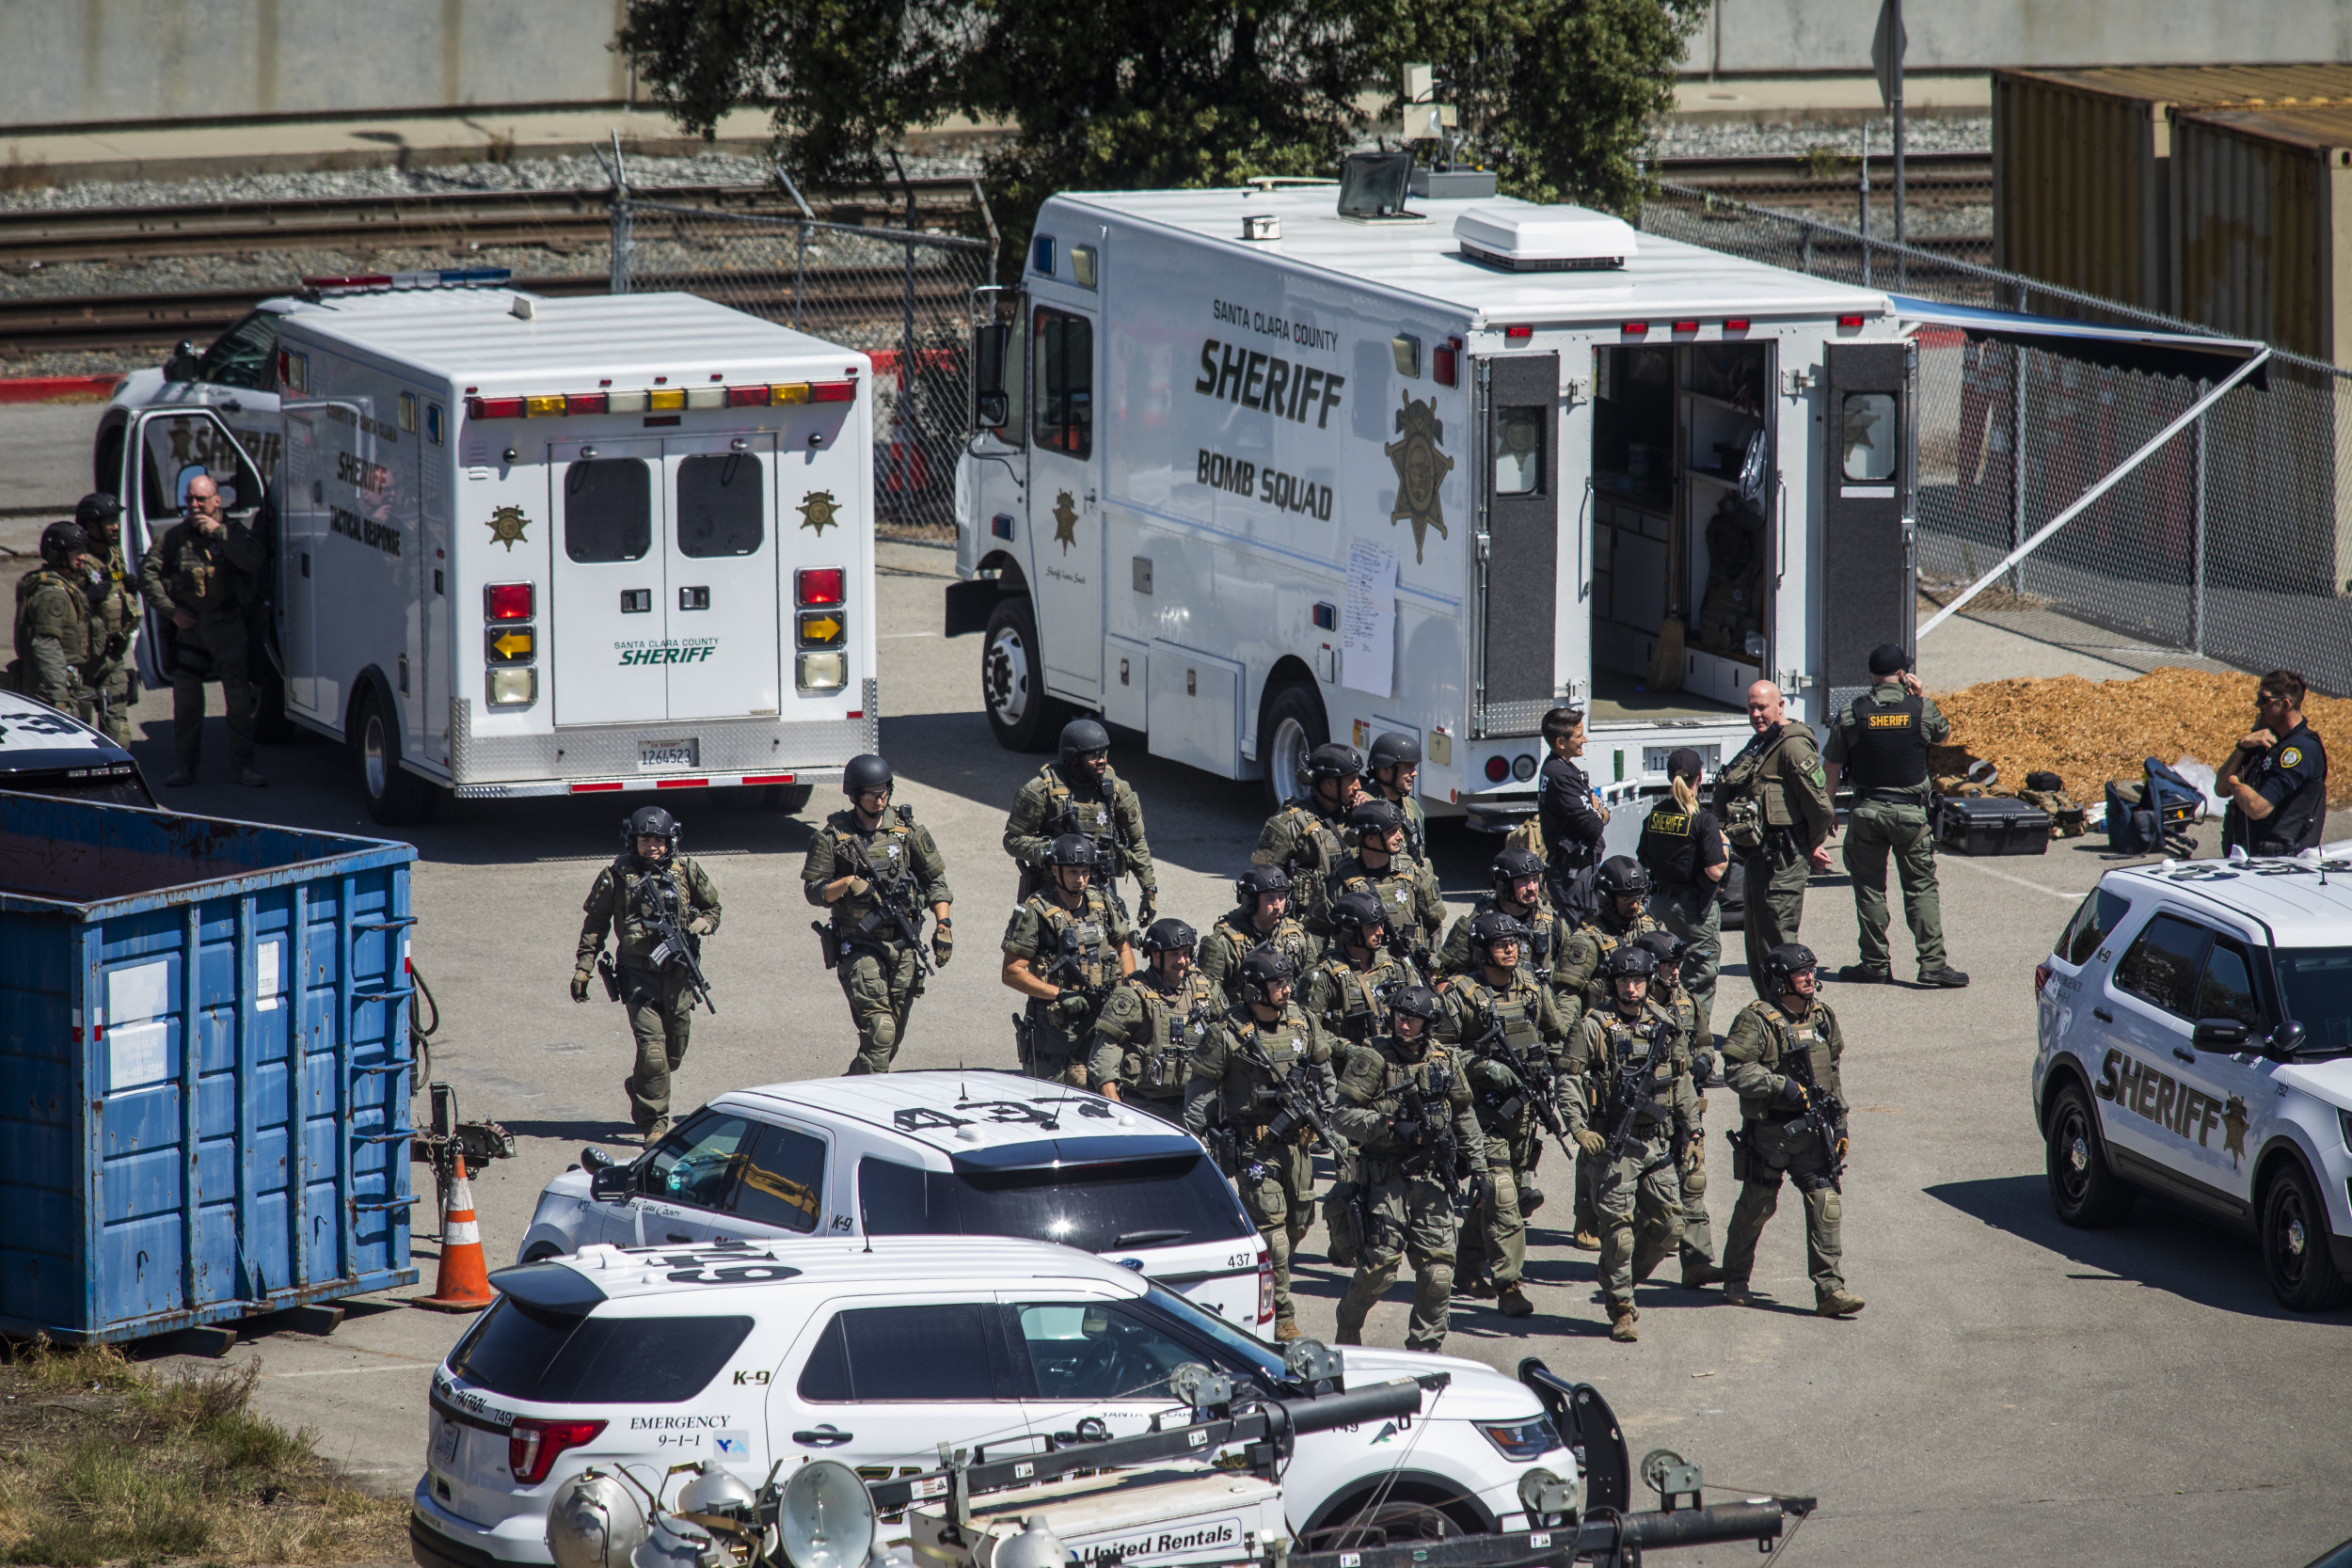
(378, 282)
(538, 405)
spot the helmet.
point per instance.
(1380, 816)
(1514, 864)
(648, 822)
(1330, 761)
(60, 539)
(1783, 964)
(1666, 947)
(1354, 915)
(1169, 935)
(1494, 926)
(96, 509)
(1416, 1001)
(863, 773)
(1070, 849)
(1394, 751)
(1260, 879)
(1081, 736)
(1621, 877)
(1630, 961)
(1259, 968)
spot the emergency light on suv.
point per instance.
(658, 400)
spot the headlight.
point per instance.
(1520, 1441)
(2344, 1124)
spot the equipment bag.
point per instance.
(2177, 804)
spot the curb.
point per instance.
(59, 388)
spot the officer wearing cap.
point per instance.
(1261, 918)
(1774, 804)
(1683, 849)
(1407, 888)
(1348, 992)
(204, 576)
(1391, 769)
(877, 869)
(110, 675)
(1880, 743)
(1068, 943)
(658, 991)
(1079, 793)
(1781, 1056)
(53, 620)
(1153, 1023)
(2276, 779)
(1308, 836)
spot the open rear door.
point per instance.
(1519, 410)
(1867, 512)
(162, 450)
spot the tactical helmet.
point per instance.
(1515, 863)
(1330, 761)
(1621, 877)
(96, 509)
(1393, 750)
(1082, 737)
(1415, 1002)
(1259, 968)
(648, 822)
(1260, 879)
(1666, 947)
(1783, 964)
(1494, 926)
(1360, 913)
(59, 541)
(1169, 935)
(1380, 816)
(1070, 849)
(1630, 961)
(863, 773)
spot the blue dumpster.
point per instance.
(204, 1069)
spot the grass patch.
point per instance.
(103, 1462)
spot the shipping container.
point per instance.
(203, 1035)
(2082, 183)
(2263, 239)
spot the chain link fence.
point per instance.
(901, 296)
(2231, 546)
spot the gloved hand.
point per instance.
(858, 888)
(1072, 1005)
(942, 943)
(1695, 1154)
(702, 925)
(1589, 1141)
(579, 985)
(1495, 1075)
(1407, 1132)
(1702, 1065)
(1147, 907)
(114, 645)
(1792, 1091)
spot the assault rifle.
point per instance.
(1431, 1148)
(658, 902)
(1108, 844)
(1539, 1085)
(1824, 1113)
(893, 908)
(1297, 1103)
(1631, 1092)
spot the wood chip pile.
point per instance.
(2089, 731)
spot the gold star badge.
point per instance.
(1065, 522)
(1420, 467)
(506, 527)
(820, 512)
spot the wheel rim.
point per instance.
(1396, 1521)
(1288, 755)
(1004, 677)
(372, 749)
(2291, 1236)
(2074, 1163)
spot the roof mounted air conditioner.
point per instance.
(1545, 239)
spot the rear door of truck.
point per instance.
(720, 552)
(609, 618)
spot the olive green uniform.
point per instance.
(879, 966)
(1406, 1168)
(1276, 1179)
(661, 1002)
(1698, 1227)
(1582, 989)
(1078, 950)
(1891, 822)
(1052, 804)
(1146, 1034)
(52, 635)
(1549, 932)
(1495, 1237)
(1416, 820)
(110, 675)
(1760, 1038)
(1638, 1190)
(1407, 891)
(1773, 799)
(214, 581)
(1235, 934)
(1306, 842)
(1351, 1004)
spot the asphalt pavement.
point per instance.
(2015, 1392)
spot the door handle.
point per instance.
(688, 1241)
(2188, 1057)
(2103, 1015)
(823, 1437)
(693, 598)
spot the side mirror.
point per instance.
(2218, 1033)
(611, 1184)
(2285, 1042)
(990, 406)
(181, 365)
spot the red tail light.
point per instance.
(819, 585)
(1849, 322)
(747, 397)
(587, 403)
(1265, 1287)
(2042, 973)
(507, 601)
(833, 391)
(1637, 329)
(1686, 326)
(494, 408)
(1497, 770)
(1518, 334)
(532, 1444)
(1441, 366)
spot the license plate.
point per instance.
(668, 753)
(445, 1447)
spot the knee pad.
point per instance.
(1695, 1184)
(1439, 1274)
(1833, 1206)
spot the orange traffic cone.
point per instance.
(464, 1285)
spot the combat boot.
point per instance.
(1286, 1329)
(1513, 1302)
(658, 1131)
(1348, 1336)
(1736, 1293)
(1699, 1276)
(1585, 1240)
(1480, 1289)
(1836, 1304)
(1621, 1319)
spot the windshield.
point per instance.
(125, 788)
(2316, 991)
(1237, 1345)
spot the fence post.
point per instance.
(1809, 250)
(2017, 462)
(2197, 537)
(623, 236)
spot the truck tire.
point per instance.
(395, 796)
(1293, 726)
(1012, 680)
(789, 799)
(2296, 1257)
(2085, 1190)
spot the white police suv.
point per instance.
(2195, 1043)
(45, 752)
(876, 1353)
(977, 1153)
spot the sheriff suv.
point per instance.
(2195, 1044)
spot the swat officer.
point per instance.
(1153, 1023)
(1235, 1072)
(53, 620)
(1622, 889)
(1670, 996)
(1077, 793)
(1510, 1033)
(1407, 888)
(1516, 885)
(1348, 992)
(1781, 1058)
(1403, 1104)
(648, 878)
(1774, 804)
(1308, 837)
(1635, 1072)
(877, 868)
(1390, 770)
(1880, 743)
(1262, 918)
(204, 575)
(2276, 778)
(1682, 848)
(1067, 942)
(110, 675)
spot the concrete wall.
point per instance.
(1808, 36)
(77, 61)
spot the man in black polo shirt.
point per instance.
(1571, 815)
(2276, 782)
(1881, 744)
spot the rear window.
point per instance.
(530, 1353)
(608, 510)
(2097, 916)
(122, 789)
(1163, 1202)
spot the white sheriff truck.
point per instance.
(1254, 469)
(524, 546)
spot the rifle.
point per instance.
(894, 907)
(1538, 1083)
(1434, 1148)
(657, 901)
(1825, 1115)
(1298, 1104)
(1066, 970)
